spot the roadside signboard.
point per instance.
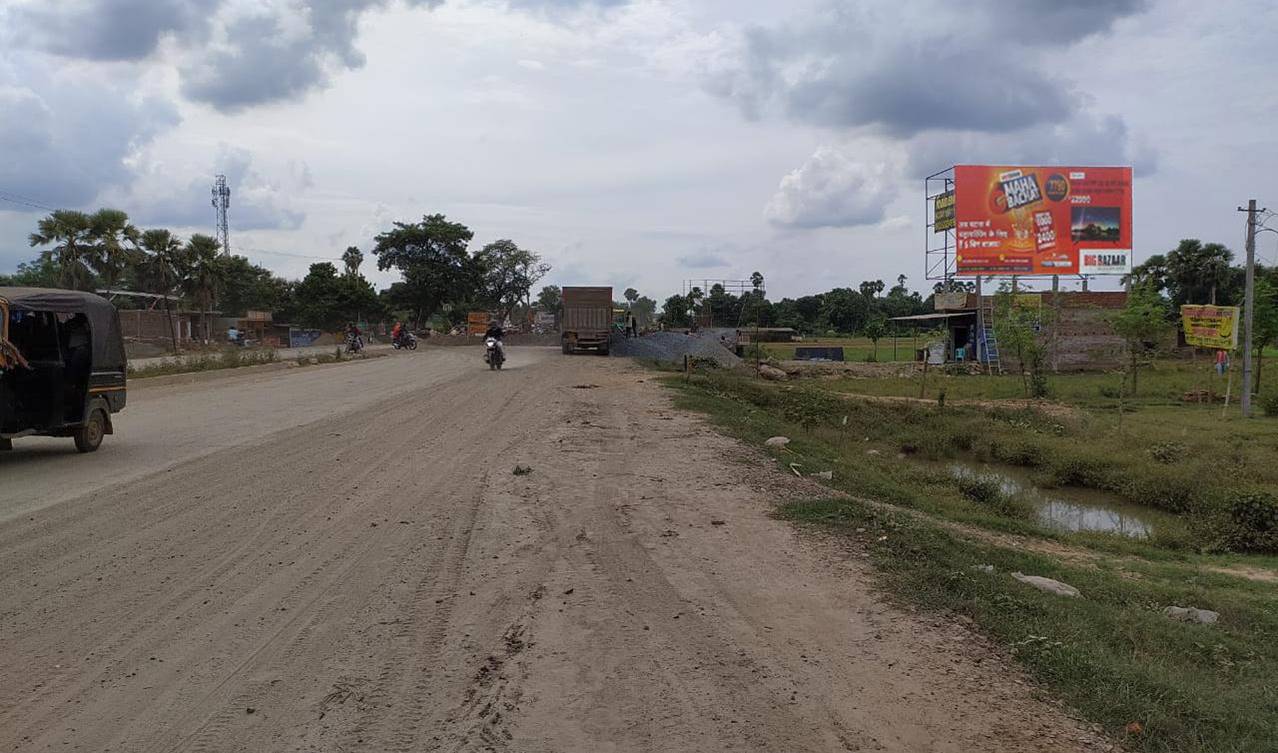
(477, 322)
(1211, 326)
(943, 212)
(1034, 220)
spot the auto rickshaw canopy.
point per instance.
(104, 322)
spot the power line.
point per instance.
(285, 253)
(26, 201)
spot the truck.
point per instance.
(587, 319)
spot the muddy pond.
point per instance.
(1064, 508)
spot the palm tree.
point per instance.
(352, 258)
(74, 253)
(202, 275)
(116, 242)
(158, 269)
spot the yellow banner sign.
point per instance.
(943, 212)
(1211, 326)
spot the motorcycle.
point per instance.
(354, 344)
(494, 355)
(405, 340)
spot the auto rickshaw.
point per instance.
(62, 366)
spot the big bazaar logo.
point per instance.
(1100, 261)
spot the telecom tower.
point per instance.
(222, 202)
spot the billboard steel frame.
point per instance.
(939, 247)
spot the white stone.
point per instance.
(1190, 614)
(1048, 585)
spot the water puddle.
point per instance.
(1064, 509)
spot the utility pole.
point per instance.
(1249, 300)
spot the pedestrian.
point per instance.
(632, 326)
(1222, 361)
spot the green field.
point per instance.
(1112, 654)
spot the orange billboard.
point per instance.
(1037, 220)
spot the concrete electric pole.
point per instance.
(1249, 301)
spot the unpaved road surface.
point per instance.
(342, 559)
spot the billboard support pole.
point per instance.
(1249, 300)
(981, 355)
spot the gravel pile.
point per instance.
(673, 346)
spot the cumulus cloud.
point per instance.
(833, 188)
(276, 51)
(919, 65)
(1084, 139)
(234, 55)
(64, 142)
(109, 29)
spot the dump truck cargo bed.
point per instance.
(587, 320)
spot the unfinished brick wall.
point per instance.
(137, 324)
(1082, 338)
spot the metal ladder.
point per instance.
(989, 340)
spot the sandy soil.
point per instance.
(282, 569)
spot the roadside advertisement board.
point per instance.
(943, 212)
(1211, 326)
(477, 322)
(1038, 220)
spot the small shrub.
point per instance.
(1081, 470)
(1017, 452)
(983, 489)
(1253, 523)
(1168, 452)
(1269, 402)
(988, 492)
(1111, 391)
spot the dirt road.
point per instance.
(342, 559)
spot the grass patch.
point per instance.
(228, 359)
(1112, 655)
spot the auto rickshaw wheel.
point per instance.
(89, 437)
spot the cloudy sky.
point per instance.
(638, 142)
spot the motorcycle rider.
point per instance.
(354, 338)
(495, 332)
(396, 330)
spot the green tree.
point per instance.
(1143, 324)
(326, 300)
(871, 288)
(246, 286)
(200, 276)
(674, 312)
(116, 244)
(352, 258)
(509, 274)
(1020, 331)
(845, 310)
(157, 270)
(1264, 323)
(756, 280)
(71, 235)
(42, 272)
(1197, 272)
(431, 256)
(875, 329)
(549, 298)
(631, 295)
